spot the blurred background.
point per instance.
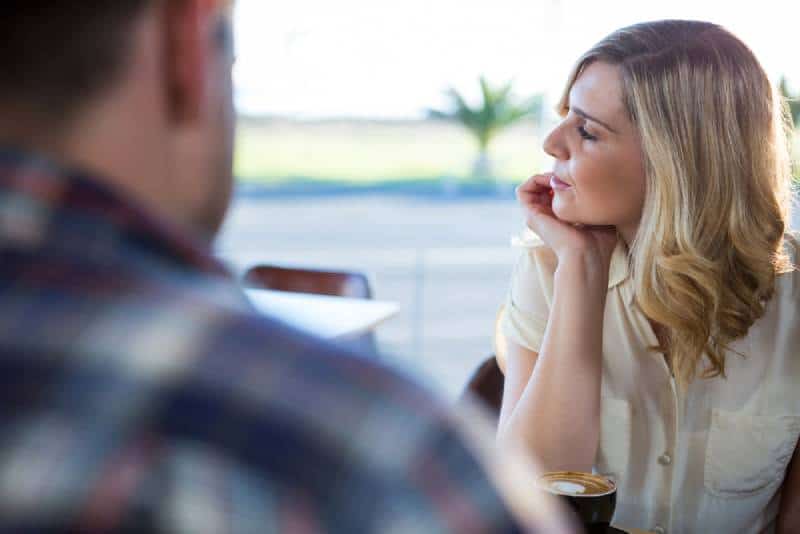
(387, 137)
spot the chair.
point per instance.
(486, 384)
(332, 283)
(487, 381)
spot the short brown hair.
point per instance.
(55, 55)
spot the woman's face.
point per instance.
(599, 176)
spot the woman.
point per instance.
(652, 327)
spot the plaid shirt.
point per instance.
(138, 393)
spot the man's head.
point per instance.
(137, 91)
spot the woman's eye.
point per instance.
(586, 135)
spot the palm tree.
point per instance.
(498, 110)
(792, 99)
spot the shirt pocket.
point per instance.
(614, 450)
(748, 454)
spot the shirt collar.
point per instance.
(620, 265)
(39, 199)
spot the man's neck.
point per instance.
(98, 150)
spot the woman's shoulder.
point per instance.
(535, 255)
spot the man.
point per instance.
(138, 391)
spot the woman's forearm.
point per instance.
(557, 416)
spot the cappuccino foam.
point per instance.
(576, 484)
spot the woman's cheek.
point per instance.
(594, 198)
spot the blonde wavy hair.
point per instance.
(714, 137)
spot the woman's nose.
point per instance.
(554, 144)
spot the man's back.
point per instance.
(139, 393)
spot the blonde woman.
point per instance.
(652, 326)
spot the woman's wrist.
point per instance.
(580, 269)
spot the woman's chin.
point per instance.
(565, 214)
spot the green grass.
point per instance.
(365, 153)
(375, 152)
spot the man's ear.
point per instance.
(187, 48)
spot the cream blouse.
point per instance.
(711, 459)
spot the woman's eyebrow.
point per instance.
(585, 115)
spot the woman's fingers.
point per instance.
(539, 183)
(536, 197)
(537, 180)
(535, 190)
(544, 223)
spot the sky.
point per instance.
(393, 59)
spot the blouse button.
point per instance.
(659, 530)
(665, 459)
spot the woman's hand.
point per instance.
(562, 382)
(595, 243)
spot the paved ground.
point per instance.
(447, 262)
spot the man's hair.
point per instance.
(56, 55)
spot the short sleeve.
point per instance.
(530, 296)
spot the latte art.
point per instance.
(571, 483)
(593, 498)
(569, 488)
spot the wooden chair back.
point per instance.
(334, 283)
(331, 283)
(487, 381)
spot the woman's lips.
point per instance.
(558, 185)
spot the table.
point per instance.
(322, 315)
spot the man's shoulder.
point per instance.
(204, 332)
(297, 365)
(315, 408)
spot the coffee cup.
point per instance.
(592, 497)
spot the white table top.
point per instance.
(324, 316)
